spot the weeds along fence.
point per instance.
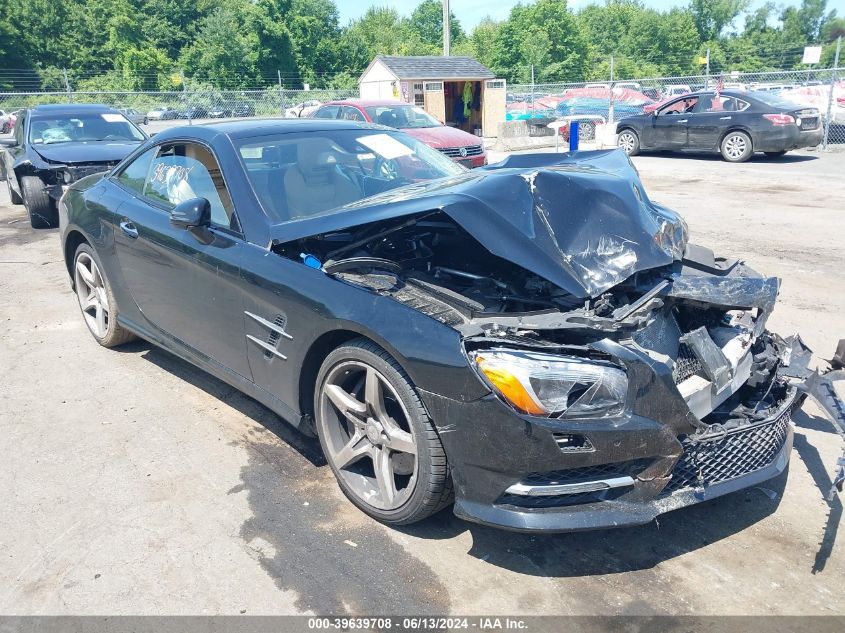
(268, 102)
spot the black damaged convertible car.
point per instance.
(535, 340)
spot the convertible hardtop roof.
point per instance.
(70, 108)
(264, 127)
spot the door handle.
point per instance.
(682, 121)
(724, 118)
(129, 228)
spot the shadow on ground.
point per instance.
(714, 157)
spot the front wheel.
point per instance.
(378, 438)
(41, 209)
(629, 142)
(736, 147)
(96, 300)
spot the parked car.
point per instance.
(734, 123)
(219, 111)
(653, 93)
(6, 122)
(163, 113)
(303, 109)
(193, 112)
(56, 145)
(631, 85)
(536, 339)
(243, 110)
(674, 90)
(462, 147)
(133, 115)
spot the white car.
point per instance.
(675, 90)
(303, 110)
(6, 122)
(631, 85)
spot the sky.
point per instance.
(470, 12)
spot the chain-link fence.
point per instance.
(201, 104)
(823, 89)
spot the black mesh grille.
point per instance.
(274, 337)
(686, 365)
(587, 473)
(728, 456)
(557, 501)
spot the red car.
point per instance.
(462, 147)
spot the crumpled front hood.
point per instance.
(582, 221)
(92, 152)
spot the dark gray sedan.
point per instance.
(732, 122)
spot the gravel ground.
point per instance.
(133, 483)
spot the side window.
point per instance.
(329, 112)
(135, 174)
(183, 171)
(681, 106)
(349, 113)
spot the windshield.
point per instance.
(106, 126)
(306, 174)
(401, 116)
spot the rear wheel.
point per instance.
(586, 131)
(777, 154)
(41, 209)
(378, 438)
(96, 300)
(736, 147)
(629, 142)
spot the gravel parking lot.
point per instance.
(133, 483)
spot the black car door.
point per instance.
(668, 128)
(712, 115)
(184, 282)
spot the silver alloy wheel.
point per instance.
(627, 142)
(368, 436)
(735, 146)
(91, 292)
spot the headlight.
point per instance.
(554, 386)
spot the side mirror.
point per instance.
(192, 213)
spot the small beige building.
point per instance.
(459, 91)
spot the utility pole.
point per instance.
(610, 100)
(532, 88)
(830, 96)
(447, 35)
(185, 93)
(707, 75)
(281, 94)
(67, 86)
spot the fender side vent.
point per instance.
(274, 337)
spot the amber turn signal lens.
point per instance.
(510, 387)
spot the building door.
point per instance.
(493, 106)
(435, 103)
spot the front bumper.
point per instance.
(665, 472)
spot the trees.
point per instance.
(427, 22)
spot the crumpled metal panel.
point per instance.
(581, 221)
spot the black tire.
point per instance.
(115, 333)
(432, 489)
(777, 154)
(146, 121)
(5, 129)
(629, 141)
(736, 147)
(40, 207)
(13, 197)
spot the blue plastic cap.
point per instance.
(311, 261)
